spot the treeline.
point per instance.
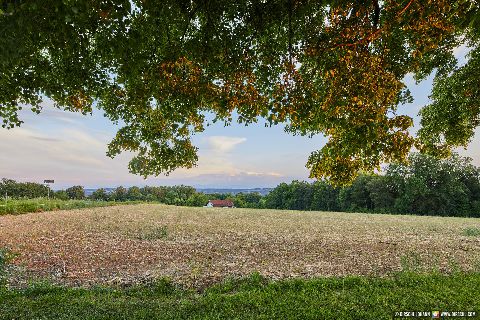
(173, 195)
(425, 186)
(22, 190)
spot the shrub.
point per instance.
(61, 195)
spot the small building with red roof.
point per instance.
(220, 204)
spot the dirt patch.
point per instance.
(198, 246)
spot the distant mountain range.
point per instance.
(262, 191)
(88, 192)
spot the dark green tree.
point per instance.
(100, 194)
(252, 199)
(357, 196)
(433, 187)
(276, 199)
(14, 189)
(325, 197)
(75, 192)
(119, 194)
(382, 193)
(197, 199)
(134, 194)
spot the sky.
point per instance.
(71, 149)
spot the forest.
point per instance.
(425, 186)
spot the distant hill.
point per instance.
(90, 191)
(262, 191)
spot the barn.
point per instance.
(220, 204)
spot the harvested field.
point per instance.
(198, 246)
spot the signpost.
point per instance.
(46, 183)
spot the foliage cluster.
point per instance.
(29, 190)
(424, 186)
(175, 195)
(18, 206)
(253, 297)
(75, 193)
(336, 68)
(14, 189)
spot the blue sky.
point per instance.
(70, 148)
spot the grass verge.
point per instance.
(41, 204)
(253, 297)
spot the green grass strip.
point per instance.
(41, 204)
(252, 298)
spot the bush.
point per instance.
(41, 204)
(60, 195)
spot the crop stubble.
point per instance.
(199, 246)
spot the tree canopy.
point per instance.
(424, 186)
(330, 67)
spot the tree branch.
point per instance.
(290, 5)
(406, 7)
(376, 13)
(372, 35)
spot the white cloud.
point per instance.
(75, 156)
(50, 113)
(223, 144)
(69, 156)
(271, 174)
